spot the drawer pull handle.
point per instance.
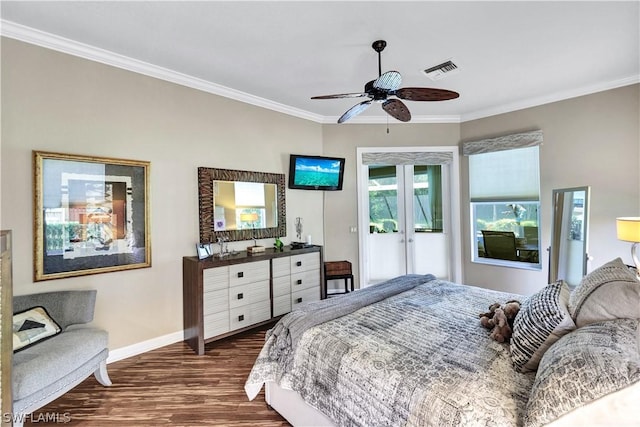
(241, 318)
(299, 300)
(240, 274)
(299, 263)
(240, 296)
(299, 282)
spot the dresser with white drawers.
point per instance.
(222, 297)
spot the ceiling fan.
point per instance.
(386, 85)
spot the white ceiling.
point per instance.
(278, 54)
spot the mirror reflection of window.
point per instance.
(244, 205)
(250, 218)
(249, 194)
(576, 225)
(569, 232)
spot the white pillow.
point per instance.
(609, 292)
(31, 326)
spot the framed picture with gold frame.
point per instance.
(91, 215)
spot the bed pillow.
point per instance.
(580, 368)
(609, 292)
(32, 326)
(541, 321)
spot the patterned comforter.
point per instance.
(413, 354)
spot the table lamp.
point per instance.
(252, 218)
(629, 231)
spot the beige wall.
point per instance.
(56, 102)
(591, 140)
(341, 208)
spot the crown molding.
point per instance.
(547, 99)
(50, 41)
(384, 119)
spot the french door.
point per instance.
(406, 217)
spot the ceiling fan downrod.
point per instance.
(379, 46)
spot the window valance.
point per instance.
(404, 158)
(502, 143)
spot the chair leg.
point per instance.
(102, 375)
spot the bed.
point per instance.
(411, 351)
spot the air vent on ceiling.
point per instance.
(437, 72)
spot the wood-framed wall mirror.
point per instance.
(240, 205)
(568, 254)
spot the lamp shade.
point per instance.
(249, 217)
(628, 229)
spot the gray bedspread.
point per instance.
(417, 356)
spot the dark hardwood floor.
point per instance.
(172, 386)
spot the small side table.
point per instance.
(338, 270)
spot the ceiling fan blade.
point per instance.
(425, 94)
(396, 109)
(340, 95)
(354, 111)
(391, 80)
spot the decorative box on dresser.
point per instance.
(229, 295)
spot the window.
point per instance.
(504, 190)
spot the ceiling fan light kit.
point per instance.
(388, 84)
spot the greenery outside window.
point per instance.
(519, 218)
(383, 199)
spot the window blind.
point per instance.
(249, 194)
(508, 175)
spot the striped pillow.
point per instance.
(542, 320)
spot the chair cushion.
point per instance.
(38, 366)
(32, 326)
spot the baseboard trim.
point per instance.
(143, 347)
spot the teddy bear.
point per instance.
(511, 309)
(486, 317)
(500, 319)
(501, 331)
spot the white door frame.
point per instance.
(454, 225)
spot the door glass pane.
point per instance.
(427, 249)
(427, 198)
(383, 199)
(386, 245)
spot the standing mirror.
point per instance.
(569, 235)
(240, 205)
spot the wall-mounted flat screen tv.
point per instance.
(316, 172)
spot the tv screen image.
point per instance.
(316, 172)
